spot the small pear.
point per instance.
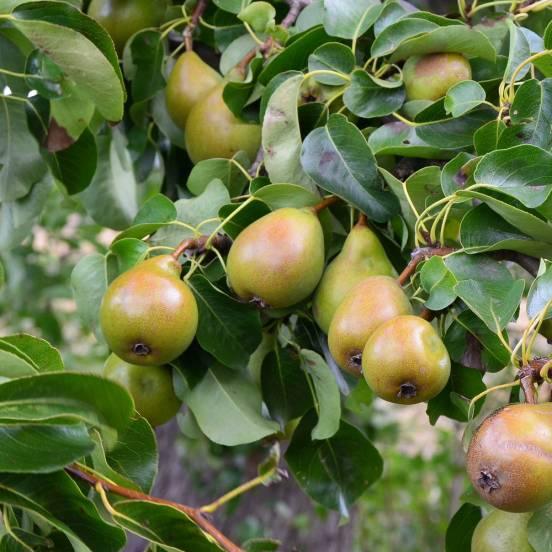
(429, 77)
(148, 314)
(502, 532)
(278, 260)
(362, 256)
(150, 387)
(191, 79)
(405, 361)
(510, 458)
(212, 130)
(370, 303)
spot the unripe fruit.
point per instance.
(278, 260)
(510, 457)
(123, 18)
(429, 77)
(148, 314)
(362, 256)
(502, 532)
(191, 79)
(150, 387)
(405, 361)
(369, 304)
(212, 130)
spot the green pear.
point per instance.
(510, 458)
(405, 361)
(278, 260)
(150, 387)
(370, 303)
(502, 532)
(123, 18)
(191, 79)
(148, 314)
(362, 256)
(212, 130)
(429, 77)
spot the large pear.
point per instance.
(502, 532)
(278, 260)
(510, 458)
(148, 314)
(362, 256)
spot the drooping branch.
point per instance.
(193, 513)
(200, 8)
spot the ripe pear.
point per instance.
(368, 305)
(405, 361)
(362, 256)
(502, 532)
(148, 314)
(150, 387)
(278, 260)
(510, 458)
(429, 77)
(123, 18)
(191, 79)
(212, 130)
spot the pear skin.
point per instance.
(362, 256)
(148, 314)
(510, 458)
(212, 130)
(502, 532)
(429, 77)
(191, 79)
(278, 260)
(405, 361)
(370, 303)
(150, 387)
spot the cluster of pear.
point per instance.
(194, 96)
(149, 317)
(358, 302)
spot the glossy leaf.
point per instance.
(464, 97)
(461, 528)
(350, 18)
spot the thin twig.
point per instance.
(194, 21)
(419, 255)
(325, 203)
(199, 245)
(295, 8)
(530, 375)
(193, 513)
(257, 163)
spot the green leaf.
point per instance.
(129, 252)
(163, 525)
(72, 111)
(56, 499)
(439, 283)
(277, 196)
(327, 399)
(334, 472)
(65, 397)
(339, 160)
(229, 330)
(393, 35)
(540, 530)
(41, 354)
(519, 51)
(463, 97)
(350, 18)
(366, 97)
(285, 388)
(261, 545)
(282, 136)
(227, 408)
(523, 172)
(540, 293)
(332, 56)
(487, 137)
(232, 6)
(14, 363)
(461, 528)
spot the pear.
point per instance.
(429, 77)
(362, 256)
(370, 303)
(151, 388)
(278, 260)
(191, 79)
(405, 361)
(502, 532)
(148, 314)
(123, 18)
(546, 330)
(212, 130)
(510, 458)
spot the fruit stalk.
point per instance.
(189, 30)
(194, 513)
(325, 203)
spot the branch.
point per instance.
(419, 255)
(193, 513)
(199, 245)
(529, 375)
(295, 8)
(190, 28)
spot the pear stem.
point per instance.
(427, 314)
(325, 203)
(194, 514)
(362, 220)
(194, 21)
